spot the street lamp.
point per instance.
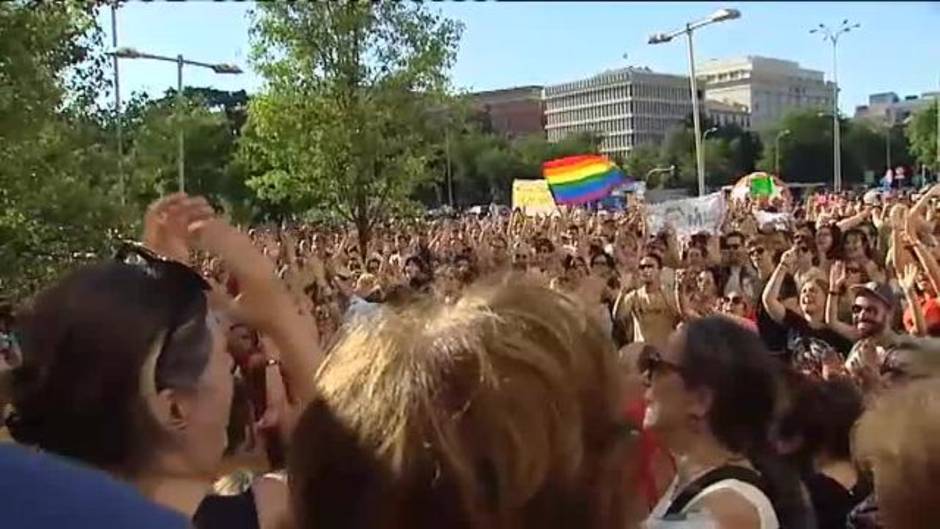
(657, 170)
(658, 38)
(832, 35)
(220, 68)
(780, 135)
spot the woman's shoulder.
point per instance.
(735, 503)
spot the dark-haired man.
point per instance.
(652, 311)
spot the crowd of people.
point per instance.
(491, 371)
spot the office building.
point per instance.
(724, 114)
(888, 109)
(628, 107)
(513, 111)
(767, 88)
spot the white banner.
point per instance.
(688, 216)
(774, 220)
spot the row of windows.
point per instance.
(623, 108)
(619, 92)
(620, 125)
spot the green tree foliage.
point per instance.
(730, 152)
(485, 164)
(806, 152)
(921, 131)
(58, 201)
(211, 122)
(342, 122)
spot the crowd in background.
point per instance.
(504, 370)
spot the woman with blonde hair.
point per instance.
(501, 410)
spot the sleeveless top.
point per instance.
(662, 518)
(227, 512)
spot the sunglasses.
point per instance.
(860, 309)
(184, 282)
(756, 252)
(735, 300)
(650, 362)
(646, 266)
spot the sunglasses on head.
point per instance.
(184, 282)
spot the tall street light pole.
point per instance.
(832, 35)
(718, 16)
(117, 105)
(220, 68)
(780, 135)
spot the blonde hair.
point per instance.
(899, 438)
(491, 412)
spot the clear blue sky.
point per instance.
(510, 44)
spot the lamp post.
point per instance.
(832, 35)
(657, 170)
(117, 105)
(780, 135)
(220, 68)
(718, 16)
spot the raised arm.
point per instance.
(771, 295)
(837, 278)
(264, 303)
(908, 279)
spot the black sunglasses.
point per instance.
(650, 362)
(183, 281)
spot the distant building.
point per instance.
(767, 88)
(723, 114)
(513, 111)
(888, 109)
(627, 107)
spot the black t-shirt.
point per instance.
(772, 333)
(808, 346)
(831, 501)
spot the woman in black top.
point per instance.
(811, 343)
(125, 365)
(816, 431)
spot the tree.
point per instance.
(341, 124)
(806, 152)
(58, 198)
(641, 161)
(921, 131)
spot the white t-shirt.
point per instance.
(701, 518)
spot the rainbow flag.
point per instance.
(581, 179)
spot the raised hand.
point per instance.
(837, 275)
(788, 259)
(907, 279)
(166, 224)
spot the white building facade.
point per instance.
(768, 88)
(628, 107)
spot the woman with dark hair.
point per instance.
(125, 366)
(828, 245)
(816, 433)
(711, 399)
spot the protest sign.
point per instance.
(688, 216)
(533, 197)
